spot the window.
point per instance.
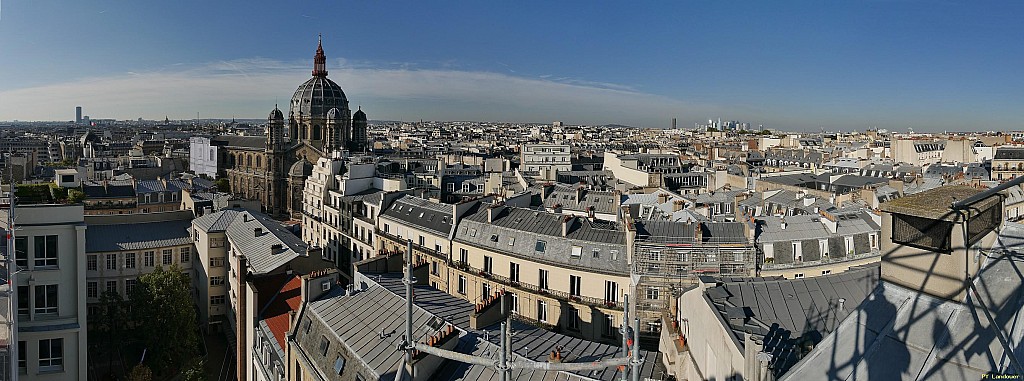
(387, 228)
(186, 254)
(542, 311)
(798, 276)
(216, 281)
(574, 285)
(324, 344)
(514, 298)
(488, 264)
(462, 285)
(147, 259)
(129, 286)
(611, 291)
(23, 302)
(511, 241)
(46, 250)
(92, 290)
(168, 257)
(339, 365)
(494, 238)
(513, 272)
(597, 253)
(423, 241)
(572, 318)
(577, 252)
(653, 293)
(542, 279)
(217, 242)
(51, 354)
(111, 286)
(486, 291)
(217, 300)
(46, 299)
(111, 262)
(433, 268)
(129, 260)
(463, 255)
(609, 325)
(216, 262)
(91, 263)
(826, 272)
(472, 232)
(21, 251)
(541, 245)
(22, 362)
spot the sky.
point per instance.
(793, 65)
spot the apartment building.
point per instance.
(121, 248)
(546, 160)
(49, 248)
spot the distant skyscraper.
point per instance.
(673, 123)
(78, 114)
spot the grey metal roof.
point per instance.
(137, 236)
(527, 342)
(799, 227)
(516, 231)
(258, 247)
(790, 312)
(578, 198)
(216, 222)
(422, 214)
(902, 334)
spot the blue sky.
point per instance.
(929, 65)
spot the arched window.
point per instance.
(316, 132)
(248, 160)
(259, 162)
(304, 133)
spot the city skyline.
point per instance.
(894, 65)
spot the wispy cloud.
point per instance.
(250, 87)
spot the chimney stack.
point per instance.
(566, 221)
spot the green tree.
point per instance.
(165, 318)
(140, 373)
(75, 196)
(112, 322)
(223, 185)
(194, 372)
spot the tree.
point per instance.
(194, 372)
(166, 319)
(223, 185)
(140, 373)
(75, 196)
(112, 322)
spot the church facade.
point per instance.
(273, 169)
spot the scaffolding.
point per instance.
(665, 266)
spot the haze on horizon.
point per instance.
(796, 66)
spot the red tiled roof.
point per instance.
(285, 301)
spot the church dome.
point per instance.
(302, 168)
(318, 94)
(359, 115)
(334, 113)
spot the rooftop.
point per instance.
(934, 203)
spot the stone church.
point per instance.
(273, 169)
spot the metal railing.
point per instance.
(591, 301)
(822, 261)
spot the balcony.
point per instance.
(416, 248)
(590, 301)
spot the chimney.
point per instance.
(677, 206)
(662, 198)
(566, 221)
(783, 225)
(590, 212)
(257, 231)
(276, 248)
(697, 232)
(557, 209)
